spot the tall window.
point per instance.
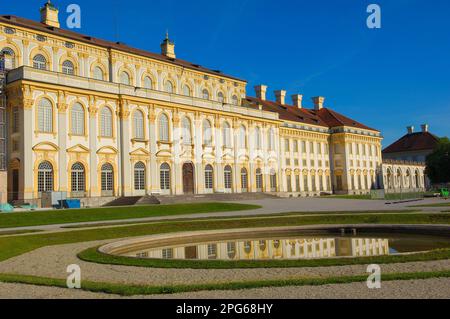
(165, 176)
(78, 178)
(138, 125)
(244, 180)
(163, 128)
(235, 100)
(106, 122)
(271, 140)
(68, 67)
(187, 133)
(168, 87)
(107, 177)
(258, 138)
(228, 178)
(205, 94)
(207, 133)
(220, 97)
(273, 181)
(209, 180)
(98, 73)
(186, 90)
(10, 58)
(39, 62)
(259, 180)
(77, 119)
(313, 183)
(305, 183)
(16, 120)
(139, 176)
(45, 177)
(125, 78)
(226, 134)
(45, 116)
(242, 137)
(148, 83)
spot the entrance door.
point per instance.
(188, 178)
(15, 184)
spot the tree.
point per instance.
(438, 163)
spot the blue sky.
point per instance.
(388, 78)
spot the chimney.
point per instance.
(318, 102)
(281, 96)
(425, 128)
(168, 47)
(410, 129)
(49, 15)
(261, 91)
(297, 100)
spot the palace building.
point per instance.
(100, 120)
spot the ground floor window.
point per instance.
(209, 180)
(259, 180)
(297, 183)
(107, 179)
(273, 181)
(45, 177)
(228, 178)
(305, 183)
(289, 183)
(244, 180)
(78, 178)
(139, 176)
(165, 177)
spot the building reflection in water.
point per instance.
(288, 249)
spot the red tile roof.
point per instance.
(421, 141)
(70, 35)
(324, 117)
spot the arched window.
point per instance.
(106, 122)
(235, 100)
(259, 180)
(258, 138)
(207, 133)
(77, 119)
(148, 83)
(220, 97)
(231, 250)
(125, 78)
(271, 140)
(45, 177)
(226, 134)
(98, 74)
(186, 90)
(242, 137)
(168, 87)
(244, 180)
(187, 133)
(78, 178)
(10, 58)
(68, 67)
(205, 94)
(39, 62)
(417, 178)
(138, 125)
(107, 177)
(209, 179)
(165, 177)
(163, 128)
(273, 181)
(45, 116)
(139, 176)
(228, 177)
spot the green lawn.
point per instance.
(14, 246)
(113, 213)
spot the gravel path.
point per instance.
(53, 261)
(415, 289)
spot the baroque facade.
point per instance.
(98, 119)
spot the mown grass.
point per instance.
(17, 245)
(114, 213)
(133, 290)
(93, 255)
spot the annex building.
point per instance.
(99, 119)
